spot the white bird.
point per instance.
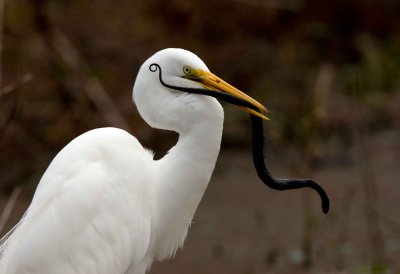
(104, 205)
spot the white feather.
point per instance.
(104, 205)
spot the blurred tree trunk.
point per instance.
(368, 180)
(309, 137)
(371, 203)
(2, 7)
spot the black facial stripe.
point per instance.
(226, 97)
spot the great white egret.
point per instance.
(104, 205)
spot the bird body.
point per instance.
(131, 216)
(65, 230)
(104, 205)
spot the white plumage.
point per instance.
(104, 205)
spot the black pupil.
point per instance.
(187, 70)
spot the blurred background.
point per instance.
(328, 70)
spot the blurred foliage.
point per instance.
(325, 68)
(273, 50)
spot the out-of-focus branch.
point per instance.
(93, 87)
(9, 207)
(17, 84)
(66, 51)
(9, 89)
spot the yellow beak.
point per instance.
(211, 81)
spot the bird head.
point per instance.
(177, 90)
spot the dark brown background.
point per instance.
(329, 70)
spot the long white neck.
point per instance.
(182, 177)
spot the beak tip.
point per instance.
(265, 118)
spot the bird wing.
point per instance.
(91, 211)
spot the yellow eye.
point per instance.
(187, 70)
